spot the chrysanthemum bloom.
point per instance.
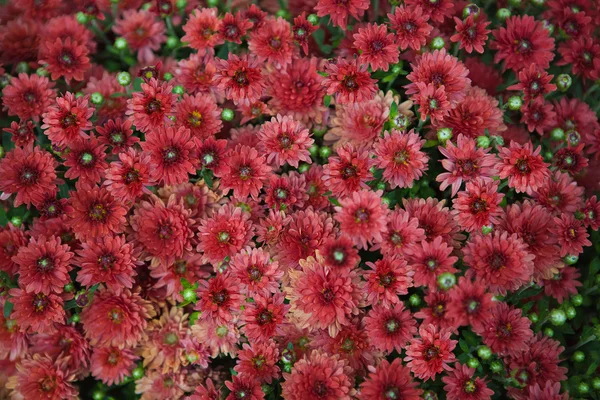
(349, 81)
(11, 240)
(402, 230)
(44, 265)
(244, 172)
(570, 159)
(157, 385)
(436, 312)
(36, 312)
(272, 42)
(173, 152)
(95, 213)
(67, 121)
(550, 391)
(244, 387)
(559, 194)
(315, 187)
(116, 320)
(20, 38)
(436, 10)
(435, 220)
(579, 54)
(86, 161)
(264, 317)
(478, 205)
(41, 377)
(591, 213)
(389, 381)
(440, 69)
(339, 253)
(65, 58)
(252, 111)
(256, 272)
(505, 330)
(465, 162)
(200, 115)
(163, 349)
(259, 361)
(471, 33)
(432, 102)
(538, 115)
(28, 96)
(362, 216)
(411, 27)
(572, 235)
(225, 233)
(386, 280)
(219, 298)
(128, 178)
(319, 375)
(573, 21)
(14, 343)
(390, 328)
(563, 284)
(240, 78)
(399, 155)
(109, 260)
(65, 342)
(285, 141)
(431, 353)
(339, 12)
(150, 109)
(220, 339)
(533, 82)
(29, 173)
(523, 42)
(196, 73)
(118, 134)
(286, 192)
(296, 91)
(523, 166)
(234, 27)
(322, 298)
(111, 365)
(143, 31)
(377, 47)
(461, 385)
(270, 228)
(501, 261)
(348, 171)
(206, 391)
(428, 259)
(469, 303)
(301, 31)
(22, 133)
(533, 224)
(201, 30)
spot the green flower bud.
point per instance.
(212, 3)
(515, 3)
(172, 42)
(82, 18)
(497, 140)
(483, 142)
(558, 317)
(473, 363)
(41, 71)
(75, 318)
(313, 19)
(386, 201)
(538, 3)
(2, 152)
(437, 43)
(573, 137)
(549, 332)
(303, 168)
(571, 259)
(168, 76)
(446, 280)
(579, 356)
(16, 221)
(178, 89)
(124, 78)
(596, 383)
(577, 300)
(444, 134)
(564, 82)
(583, 388)
(487, 229)
(496, 366)
(533, 317)
(397, 68)
(557, 134)
(96, 98)
(283, 14)
(414, 300)
(98, 395)
(227, 114)
(571, 312)
(471, 9)
(22, 67)
(138, 373)
(325, 152)
(181, 4)
(515, 103)
(69, 287)
(189, 295)
(503, 14)
(120, 43)
(313, 150)
(78, 95)
(484, 352)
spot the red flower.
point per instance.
(264, 318)
(572, 235)
(523, 42)
(128, 178)
(219, 298)
(117, 134)
(272, 42)
(111, 365)
(386, 280)
(225, 233)
(437, 10)
(339, 253)
(432, 102)
(500, 261)
(571, 159)
(430, 354)
(41, 377)
(591, 213)
(538, 115)
(86, 161)
(244, 172)
(534, 82)
(563, 284)
(258, 361)
(286, 192)
(460, 385)
(402, 230)
(465, 162)
(29, 173)
(65, 58)
(240, 78)
(116, 320)
(412, 29)
(143, 32)
(430, 259)
(362, 216)
(66, 122)
(321, 298)
(301, 31)
(319, 374)
(196, 74)
(435, 220)
(471, 33)
(478, 205)
(377, 47)
(11, 240)
(22, 133)
(437, 311)
(65, 342)
(576, 118)
(350, 82)
(233, 27)
(206, 392)
(524, 167)
(244, 387)
(44, 265)
(505, 330)
(540, 361)
(256, 272)
(200, 115)
(109, 260)
(95, 213)
(550, 391)
(202, 30)
(579, 54)
(390, 328)
(338, 11)
(389, 381)
(36, 312)
(347, 172)
(285, 141)
(469, 303)
(150, 109)
(28, 96)
(255, 15)
(559, 194)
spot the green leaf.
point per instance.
(8, 306)
(208, 177)
(334, 201)
(430, 143)
(137, 84)
(463, 345)
(327, 100)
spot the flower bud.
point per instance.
(503, 14)
(120, 43)
(515, 103)
(437, 43)
(227, 114)
(564, 82)
(483, 142)
(484, 352)
(558, 317)
(96, 98)
(124, 78)
(471, 9)
(557, 134)
(444, 134)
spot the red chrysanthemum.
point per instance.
(559, 193)
(28, 96)
(347, 172)
(591, 213)
(41, 377)
(432, 102)
(572, 235)
(339, 253)
(550, 391)
(431, 353)
(339, 11)
(151, 108)
(200, 114)
(259, 361)
(111, 365)
(386, 280)
(244, 387)
(563, 284)
(411, 27)
(533, 82)
(538, 115)
(523, 42)
(201, 30)
(478, 205)
(86, 161)
(319, 375)
(128, 178)
(377, 47)
(240, 78)
(67, 121)
(523, 166)
(116, 320)
(461, 385)
(436, 10)
(212, 153)
(429, 259)
(117, 134)
(244, 172)
(570, 159)
(580, 54)
(234, 27)
(256, 272)
(272, 42)
(29, 173)
(435, 220)
(505, 330)
(143, 31)
(362, 216)
(65, 343)
(400, 156)
(436, 312)
(36, 312)
(469, 303)
(286, 192)
(390, 328)
(285, 141)
(301, 31)
(219, 298)
(389, 381)
(264, 318)
(22, 133)
(196, 73)
(11, 240)
(65, 58)
(402, 230)
(349, 81)
(471, 33)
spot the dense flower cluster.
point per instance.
(303, 199)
